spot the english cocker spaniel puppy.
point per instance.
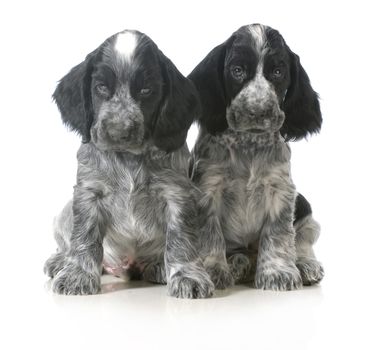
(255, 96)
(134, 210)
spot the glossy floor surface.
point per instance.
(336, 315)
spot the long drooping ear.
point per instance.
(73, 97)
(179, 107)
(208, 77)
(301, 104)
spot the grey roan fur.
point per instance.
(255, 96)
(134, 210)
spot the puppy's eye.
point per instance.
(145, 92)
(103, 90)
(238, 72)
(277, 73)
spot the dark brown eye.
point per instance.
(145, 91)
(103, 90)
(277, 73)
(238, 72)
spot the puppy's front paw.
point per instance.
(220, 275)
(274, 278)
(54, 264)
(190, 286)
(311, 270)
(73, 280)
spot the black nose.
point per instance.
(123, 135)
(118, 131)
(261, 113)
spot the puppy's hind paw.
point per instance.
(185, 286)
(220, 275)
(155, 273)
(278, 279)
(73, 280)
(311, 270)
(240, 267)
(54, 264)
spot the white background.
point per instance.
(41, 41)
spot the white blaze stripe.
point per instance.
(258, 34)
(125, 44)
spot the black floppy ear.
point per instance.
(301, 104)
(179, 107)
(208, 77)
(73, 97)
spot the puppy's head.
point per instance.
(253, 82)
(127, 94)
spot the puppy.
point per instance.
(134, 209)
(255, 96)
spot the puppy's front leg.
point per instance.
(276, 268)
(212, 245)
(82, 270)
(186, 276)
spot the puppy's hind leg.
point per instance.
(307, 233)
(155, 273)
(242, 265)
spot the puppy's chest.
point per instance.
(135, 229)
(127, 200)
(137, 212)
(249, 197)
(134, 207)
(241, 213)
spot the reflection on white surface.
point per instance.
(142, 315)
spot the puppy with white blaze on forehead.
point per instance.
(134, 211)
(255, 96)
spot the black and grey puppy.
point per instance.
(255, 96)
(134, 208)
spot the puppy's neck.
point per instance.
(249, 140)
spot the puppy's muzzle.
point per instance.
(255, 111)
(264, 120)
(119, 132)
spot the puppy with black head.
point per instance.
(134, 210)
(255, 96)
